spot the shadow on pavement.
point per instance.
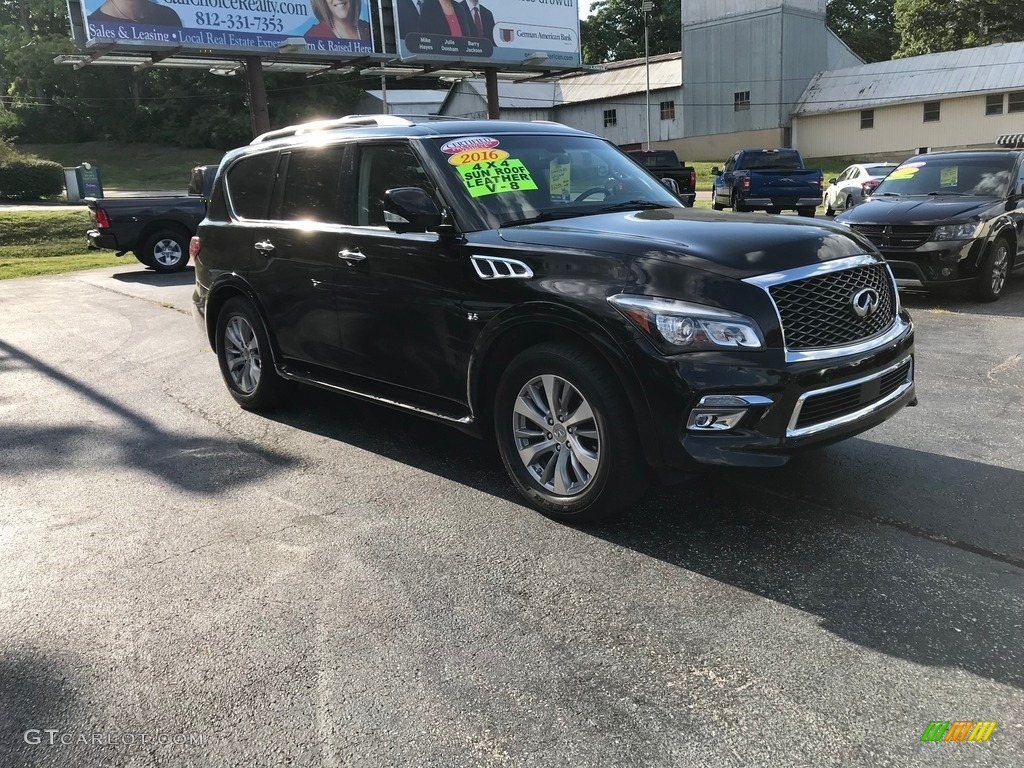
(158, 279)
(138, 443)
(35, 695)
(813, 535)
(1009, 304)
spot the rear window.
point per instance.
(656, 159)
(249, 182)
(781, 159)
(878, 170)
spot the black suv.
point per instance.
(529, 283)
(949, 218)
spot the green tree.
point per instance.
(867, 26)
(931, 26)
(615, 30)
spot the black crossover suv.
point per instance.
(949, 219)
(530, 283)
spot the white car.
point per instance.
(853, 185)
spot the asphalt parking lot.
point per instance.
(188, 584)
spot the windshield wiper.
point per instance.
(885, 194)
(631, 205)
(946, 194)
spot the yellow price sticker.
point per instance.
(495, 177)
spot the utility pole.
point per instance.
(647, 6)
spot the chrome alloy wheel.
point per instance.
(556, 435)
(1000, 266)
(167, 252)
(242, 353)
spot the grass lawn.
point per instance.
(128, 166)
(46, 242)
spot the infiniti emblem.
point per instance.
(865, 302)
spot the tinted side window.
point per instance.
(383, 167)
(311, 188)
(249, 182)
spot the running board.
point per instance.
(316, 381)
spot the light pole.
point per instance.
(647, 6)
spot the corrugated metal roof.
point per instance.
(918, 78)
(512, 95)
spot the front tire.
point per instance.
(567, 436)
(246, 362)
(994, 269)
(165, 250)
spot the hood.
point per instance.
(917, 210)
(729, 244)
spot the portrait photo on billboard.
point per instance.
(500, 31)
(329, 27)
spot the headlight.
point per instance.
(680, 326)
(957, 231)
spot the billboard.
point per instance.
(544, 33)
(328, 27)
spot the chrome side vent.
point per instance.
(497, 268)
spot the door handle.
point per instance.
(264, 246)
(351, 256)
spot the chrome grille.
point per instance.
(895, 235)
(817, 312)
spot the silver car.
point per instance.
(853, 185)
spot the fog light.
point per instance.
(714, 421)
(720, 413)
(945, 271)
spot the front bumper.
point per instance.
(811, 403)
(936, 264)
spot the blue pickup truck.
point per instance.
(769, 180)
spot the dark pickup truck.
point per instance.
(665, 164)
(770, 180)
(156, 229)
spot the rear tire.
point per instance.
(849, 202)
(994, 270)
(773, 211)
(806, 212)
(737, 204)
(166, 250)
(567, 435)
(246, 362)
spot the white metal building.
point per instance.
(892, 109)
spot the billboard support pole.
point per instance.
(259, 116)
(491, 79)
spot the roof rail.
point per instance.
(349, 121)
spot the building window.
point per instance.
(609, 118)
(741, 101)
(994, 104)
(867, 119)
(931, 112)
(1015, 102)
(668, 110)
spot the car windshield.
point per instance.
(952, 175)
(878, 170)
(786, 160)
(512, 179)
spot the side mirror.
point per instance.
(410, 209)
(832, 180)
(671, 184)
(715, 171)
